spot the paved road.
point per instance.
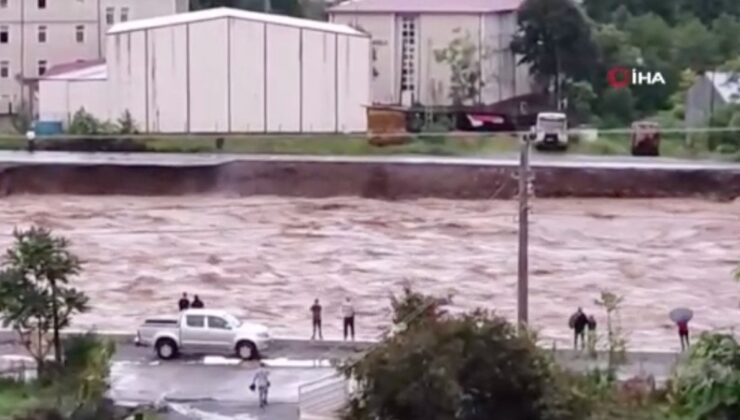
(305, 353)
(506, 159)
(216, 388)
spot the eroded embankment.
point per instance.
(391, 180)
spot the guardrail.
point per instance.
(321, 399)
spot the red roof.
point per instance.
(72, 66)
(426, 6)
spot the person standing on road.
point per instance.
(183, 303)
(197, 303)
(578, 322)
(683, 334)
(348, 316)
(261, 381)
(316, 315)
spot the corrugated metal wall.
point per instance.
(234, 75)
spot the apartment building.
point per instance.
(36, 35)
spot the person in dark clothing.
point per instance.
(183, 303)
(683, 334)
(197, 303)
(316, 315)
(578, 322)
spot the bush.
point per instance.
(707, 384)
(84, 123)
(473, 367)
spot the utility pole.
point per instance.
(523, 270)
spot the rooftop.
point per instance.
(426, 6)
(78, 70)
(224, 12)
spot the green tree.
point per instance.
(614, 50)
(696, 46)
(617, 107)
(707, 384)
(709, 10)
(466, 78)
(554, 39)
(282, 7)
(473, 367)
(725, 117)
(86, 373)
(35, 298)
(726, 29)
(580, 98)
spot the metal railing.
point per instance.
(323, 398)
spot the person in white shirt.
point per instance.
(261, 381)
(348, 315)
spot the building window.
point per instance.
(3, 3)
(80, 34)
(4, 69)
(42, 67)
(124, 14)
(110, 15)
(42, 4)
(42, 34)
(408, 53)
(4, 34)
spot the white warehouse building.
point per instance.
(221, 71)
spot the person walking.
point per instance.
(197, 303)
(348, 317)
(578, 322)
(316, 322)
(261, 382)
(683, 334)
(183, 303)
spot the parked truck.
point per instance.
(203, 331)
(550, 131)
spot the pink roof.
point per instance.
(72, 67)
(426, 6)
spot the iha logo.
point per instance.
(619, 77)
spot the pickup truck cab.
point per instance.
(203, 331)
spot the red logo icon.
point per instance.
(618, 77)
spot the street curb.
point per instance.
(8, 337)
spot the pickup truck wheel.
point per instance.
(166, 349)
(246, 350)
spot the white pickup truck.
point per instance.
(203, 331)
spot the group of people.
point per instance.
(579, 322)
(184, 303)
(261, 381)
(348, 319)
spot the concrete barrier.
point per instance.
(373, 178)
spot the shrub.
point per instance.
(471, 367)
(707, 384)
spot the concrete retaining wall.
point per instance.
(372, 178)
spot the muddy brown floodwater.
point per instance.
(267, 258)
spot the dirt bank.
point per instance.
(267, 257)
(389, 180)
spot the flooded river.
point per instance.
(267, 258)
